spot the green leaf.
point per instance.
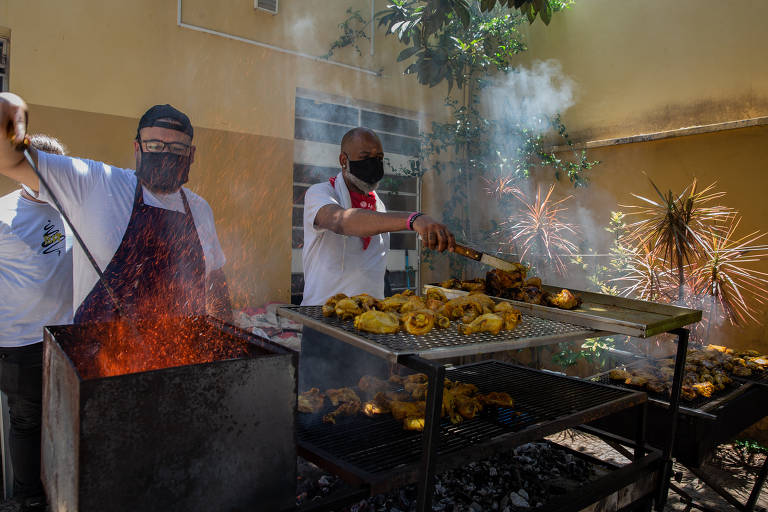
(408, 53)
(546, 13)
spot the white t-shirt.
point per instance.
(336, 263)
(98, 198)
(35, 270)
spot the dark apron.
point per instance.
(159, 268)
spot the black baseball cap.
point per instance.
(159, 115)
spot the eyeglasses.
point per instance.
(158, 146)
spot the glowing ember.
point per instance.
(110, 349)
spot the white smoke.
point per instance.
(527, 97)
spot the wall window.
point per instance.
(3, 64)
(319, 127)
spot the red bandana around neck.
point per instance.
(366, 201)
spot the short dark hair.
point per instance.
(47, 144)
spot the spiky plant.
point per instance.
(539, 230)
(724, 275)
(673, 225)
(647, 276)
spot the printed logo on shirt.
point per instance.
(52, 239)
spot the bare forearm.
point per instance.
(360, 222)
(217, 302)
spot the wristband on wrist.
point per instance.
(412, 218)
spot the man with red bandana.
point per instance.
(346, 226)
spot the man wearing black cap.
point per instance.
(154, 240)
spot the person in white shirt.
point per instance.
(35, 291)
(154, 240)
(346, 225)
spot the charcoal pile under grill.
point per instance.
(377, 446)
(529, 327)
(512, 480)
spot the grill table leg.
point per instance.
(674, 406)
(431, 436)
(642, 412)
(759, 482)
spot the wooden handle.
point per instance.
(466, 251)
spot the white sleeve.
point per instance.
(206, 230)
(316, 197)
(70, 179)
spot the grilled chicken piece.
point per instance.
(373, 408)
(442, 321)
(413, 304)
(402, 410)
(533, 281)
(461, 388)
(502, 306)
(418, 322)
(656, 386)
(311, 401)
(340, 395)
(345, 409)
(399, 396)
(377, 322)
(329, 308)
(489, 322)
(475, 285)
(564, 300)
(415, 377)
(414, 423)
(418, 390)
(468, 407)
(704, 389)
(436, 294)
(497, 398)
(497, 282)
(742, 371)
(366, 302)
(688, 393)
(618, 374)
(395, 379)
(451, 284)
(638, 381)
(372, 385)
(346, 309)
(510, 317)
(466, 307)
(533, 295)
(393, 303)
(483, 299)
(434, 304)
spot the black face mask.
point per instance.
(163, 172)
(370, 170)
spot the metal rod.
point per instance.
(91, 259)
(431, 437)
(759, 482)
(642, 413)
(674, 407)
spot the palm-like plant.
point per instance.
(673, 225)
(539, 230)
(647, 276)
(724, 274)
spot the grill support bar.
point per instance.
(674, 408)
(436, 374)
(642, 413)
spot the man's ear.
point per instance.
(192, 150)
(343, 160)
(136, 148)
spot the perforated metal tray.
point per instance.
(440, 343)
(606, 312)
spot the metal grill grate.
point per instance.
(698, 403)
(544, 403)
(530, 327)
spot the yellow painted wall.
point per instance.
(650, 65)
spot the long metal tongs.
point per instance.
(121, 312)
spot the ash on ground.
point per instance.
(522, 479)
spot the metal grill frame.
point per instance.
(475, 439)
(532, 331)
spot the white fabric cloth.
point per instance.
(336, 263)
(98, 198)
(35, 270)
